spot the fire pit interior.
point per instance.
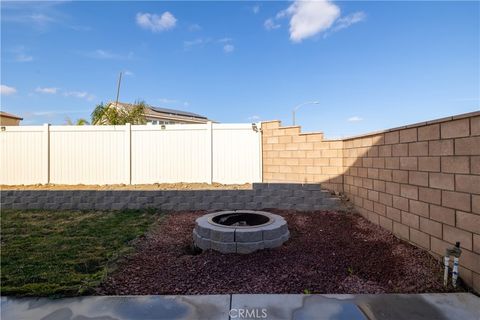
(240, 231)
(241, 219)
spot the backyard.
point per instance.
(222, 160)
(46, 253)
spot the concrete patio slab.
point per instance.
(439, 306)
(277, 306)
(286, 307)
(118, 307)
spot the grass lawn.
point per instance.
(49, 253)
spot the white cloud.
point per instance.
(104, 54)
(254, 118)
(173, 102)
(194, 27)
(167, 101)
(309, 18)
(51, 113)
(46, 90)
(41, 18)
(196, 42)
(81, 28)
(256, 9)
(20, 54)
(282, 14)
(38, 15)
(226, 43)
(156, 23)
(43, 113)
(228, 48)
(128, 73)
(22, 57)
(6, 90)
(223, 40)
(354, 119)
(38, 20)
(270, 24)
(79, 95)
(347, 21)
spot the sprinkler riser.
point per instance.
(455, 272)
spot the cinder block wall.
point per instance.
(292, 156)
(422, 181)
(296, 196)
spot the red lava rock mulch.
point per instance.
(328, 252)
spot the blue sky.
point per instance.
(371, 65)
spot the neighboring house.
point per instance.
(157, 115)
(8, 119)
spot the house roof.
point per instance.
(153, 111)
(178, 112)
(9, 115)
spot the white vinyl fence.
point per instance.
(130, 154)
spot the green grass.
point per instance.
(58, 253)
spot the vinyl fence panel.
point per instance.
(236, 154)
(87, 154)
(174, 154)
(24, 155)
(139, 154)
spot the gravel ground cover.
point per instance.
(328, 252)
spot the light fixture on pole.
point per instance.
(298, 107)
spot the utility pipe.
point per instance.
(446, 261)
(455, 251)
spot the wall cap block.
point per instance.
(418, 124)
(313, 132)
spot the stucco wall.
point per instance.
(7, 121)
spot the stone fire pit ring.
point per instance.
(240, 231)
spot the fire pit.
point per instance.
(240, 231)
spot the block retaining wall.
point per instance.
(262, 195)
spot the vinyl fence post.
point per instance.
(46, 141)
(209, 152)
(260, 138)
(128, 153)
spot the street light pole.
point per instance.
(298, 107)
(118, 88)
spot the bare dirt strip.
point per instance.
(155, 186)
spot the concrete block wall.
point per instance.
(421, 182)
(292, 156)
(263, 195)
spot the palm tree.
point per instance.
(79, 122)
(111, 114)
